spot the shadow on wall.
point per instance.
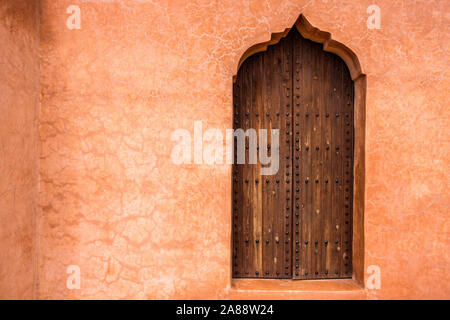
(19, 101)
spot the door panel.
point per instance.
(297, 223)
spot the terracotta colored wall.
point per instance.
(19, 102)
(113, 203)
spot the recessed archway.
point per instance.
(307, 31)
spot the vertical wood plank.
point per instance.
(339, 168)
(248, 213)
(297, 117)
(237, 191)
(257, 191)
(287, 102)
(327, 159)
(275, 71)
(334, 172)
(267, 186)
(306, 163)
(315, 158)
(347, 107)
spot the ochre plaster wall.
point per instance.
(19, 102)
(138, 226)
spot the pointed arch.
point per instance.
(314, 34)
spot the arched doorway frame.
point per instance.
(360, 84)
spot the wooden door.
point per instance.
(297, 223)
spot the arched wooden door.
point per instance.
(297, 223)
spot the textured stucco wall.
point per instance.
(113, 203)
(19, 102)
